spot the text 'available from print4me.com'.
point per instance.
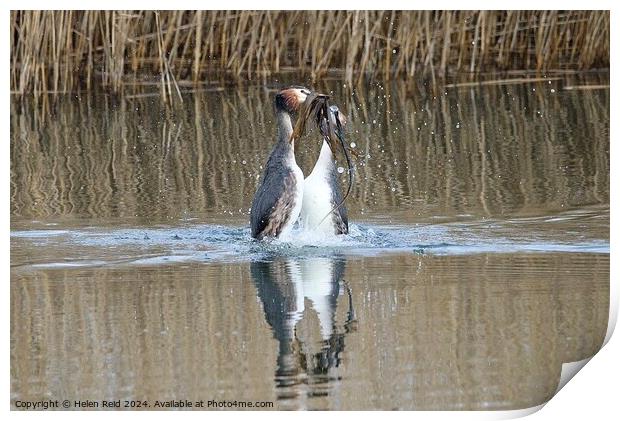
(205, 404)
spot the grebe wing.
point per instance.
(273, 202)
(340, 216)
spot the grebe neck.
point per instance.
(285, 126)
(325, 162)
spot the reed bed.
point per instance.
(68, 51)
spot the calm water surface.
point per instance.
(478, 259)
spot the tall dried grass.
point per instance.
(65, 51)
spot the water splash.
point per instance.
(191, 243)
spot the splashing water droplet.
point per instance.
(340, 170)
(353, 145)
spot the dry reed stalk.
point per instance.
(584, 87)
(500, 82)
(167, 77)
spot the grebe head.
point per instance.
(335, 114)
(299, 102)
(337, 122)
(292, 98)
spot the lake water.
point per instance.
(478, 259)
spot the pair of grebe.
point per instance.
(284, 196)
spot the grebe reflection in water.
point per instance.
(290, 289)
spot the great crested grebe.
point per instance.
(322, 195)
(278, 200)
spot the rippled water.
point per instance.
(478, 259)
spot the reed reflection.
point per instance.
(294, 293)
(480, 332)
(495, 150)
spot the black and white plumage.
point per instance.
(322, 192)
(277, 202)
